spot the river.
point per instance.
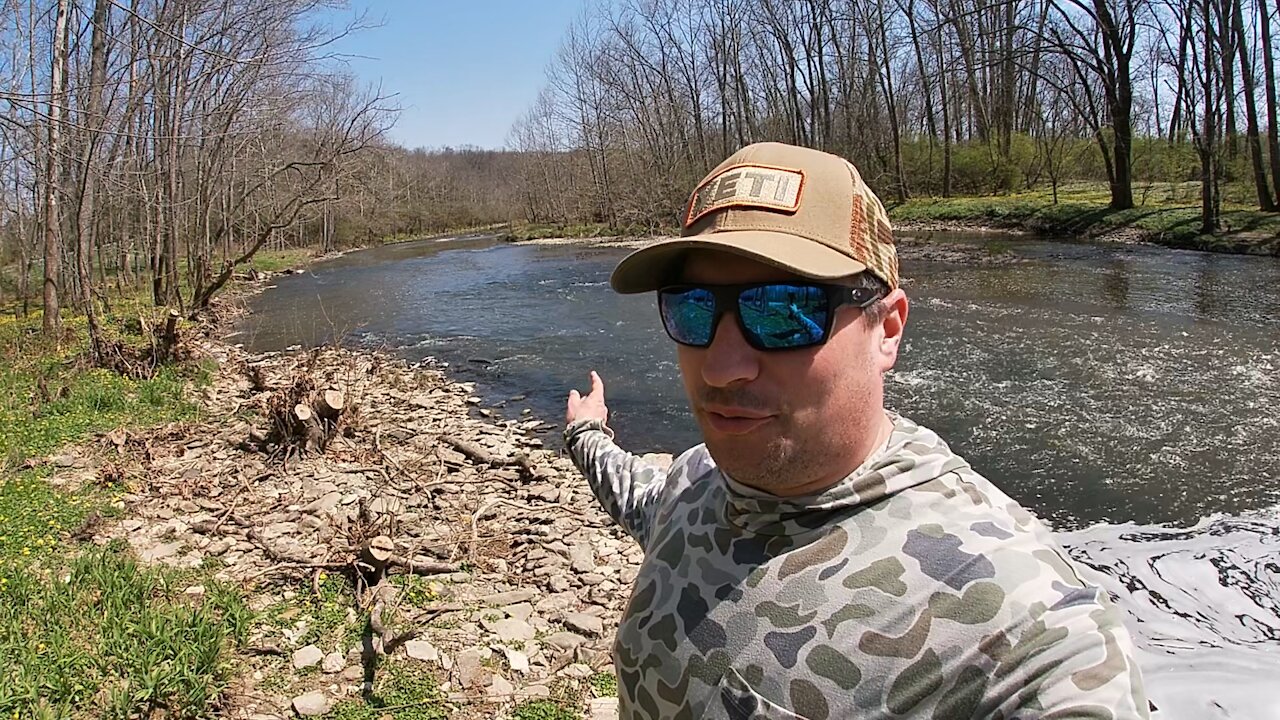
(1129, 395)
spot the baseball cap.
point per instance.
(799, 209)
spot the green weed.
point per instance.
(105, 637)
(604, 684)
(543, 710)
(401, 692)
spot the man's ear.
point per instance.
(892, 324)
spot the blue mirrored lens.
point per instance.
(688, 315)
(784, 316)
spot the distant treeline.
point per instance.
(927, 97)
(161, 143)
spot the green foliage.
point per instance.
(101, 636)
(401, 692)
(56, 400)
(33, 516)
(543, 710)
(603, 684)
(326, 616)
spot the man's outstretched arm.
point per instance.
(625, 485)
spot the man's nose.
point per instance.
(729, 358)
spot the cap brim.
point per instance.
(651, 267)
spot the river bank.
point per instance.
(501, 583)
(1164, 218)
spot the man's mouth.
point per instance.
(736, 421)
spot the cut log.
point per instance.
(377, 551)
(302, 412)
(329, 404)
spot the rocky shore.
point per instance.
(427, 536)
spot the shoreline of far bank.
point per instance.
(1076, 216)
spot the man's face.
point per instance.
(788, 422)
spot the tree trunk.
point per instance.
(52, 224)
(92, 123)
(1273, 121)
(1265, 200)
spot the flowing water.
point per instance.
(1129, 395)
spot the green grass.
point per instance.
(85, 631)
(1170, 216)
(543, 710)
(402, 692)
(75, 401)
(103, 637)
(277, 260)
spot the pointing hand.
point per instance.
(589, 407)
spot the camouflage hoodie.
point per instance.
(913, 588)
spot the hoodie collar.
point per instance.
(912, 455)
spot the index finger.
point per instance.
(597, 385)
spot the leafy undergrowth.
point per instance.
(100, 636)
(84, 630)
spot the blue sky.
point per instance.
(464, 70)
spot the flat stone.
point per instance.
(511, 630)
(188, 507)
(194, 591)
(576, 670)
(537, 691)
(519, 611)
(602, 708)
(584, 623)
(324, 504)
(159, 552)
(305, 657)
(501, 688)
(131, 525)
(471, 673)
(559, 583)
(312, 704)
(564, 640)
(352, 673)
(582, 557)
(518, 661)
(422, 650)
(333, 662)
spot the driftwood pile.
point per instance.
(302, 417)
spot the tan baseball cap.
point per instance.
(805, 211)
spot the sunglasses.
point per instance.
(772, 316)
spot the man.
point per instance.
(821, 557)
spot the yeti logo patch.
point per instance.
(747, 186)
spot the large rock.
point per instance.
(564, 640)
(312, 704)
(471, 671)
(422, 650)
(305, 657)
(582, 557)
(333, 662)
(511, 630)
(584, 623)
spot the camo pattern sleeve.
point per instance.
(628, 487)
